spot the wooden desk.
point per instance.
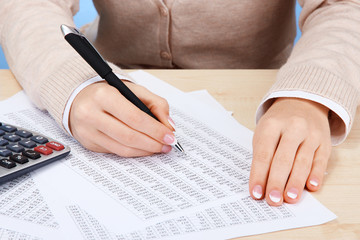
(241, 91)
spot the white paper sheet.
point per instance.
(8, 234)
(202, 194)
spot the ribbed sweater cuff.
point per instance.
(320, 81)
(57, 88)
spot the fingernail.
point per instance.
(169, 139)
(292, 193)
(166, 149)
(314, 182)
(257, 192)
(171, 122)
(275, 196)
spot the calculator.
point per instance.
(22, 151)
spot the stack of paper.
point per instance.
(202, 194)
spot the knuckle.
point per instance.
(82, 112)
(270, 123)
(315, 134)
(135, 118)
(284, 161)
(298, 123)
(163, 103)
(100, 92)
(130, 138)
(321, 162)
(303, 161)
(137, 86)
(262, 156)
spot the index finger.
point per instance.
(158, 105)
(118, 106)
(264, 146)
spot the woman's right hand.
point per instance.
(103, 120)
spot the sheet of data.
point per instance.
(200, 194)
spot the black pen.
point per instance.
(88, 52)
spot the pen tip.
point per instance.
(179, 147)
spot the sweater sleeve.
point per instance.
(326, 59)
(41, 60)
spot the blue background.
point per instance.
(87, 13)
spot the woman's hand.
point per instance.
(103, 120)
(291, 148)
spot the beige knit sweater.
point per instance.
(189, 34)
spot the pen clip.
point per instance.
(86, 50)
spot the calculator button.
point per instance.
(54, 145)
(12, 137)
(27, 143)
(39, 139)
(2, 132)
(31, 154)
(19, 158)
(43, 150)
(15, 148)
(5, 153)
(8, 128)
(3, 142)
(6, 163)
(23, 133)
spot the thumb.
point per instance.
(160, 109)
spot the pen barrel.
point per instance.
(114, 81)
(88, 53)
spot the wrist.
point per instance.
(66, 113)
